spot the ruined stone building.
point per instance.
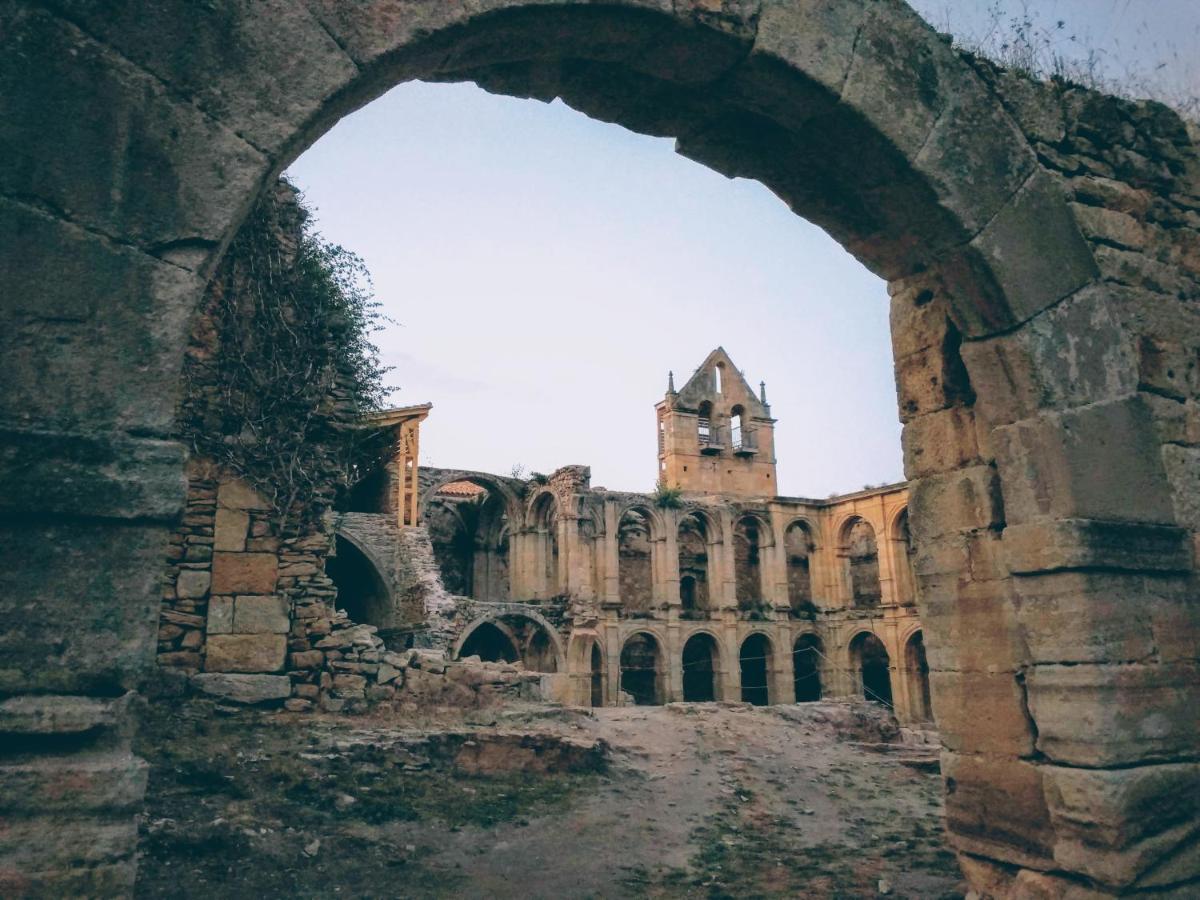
(710, 588)
(1041, 245)
(719, 590)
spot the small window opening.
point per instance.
(717, 379)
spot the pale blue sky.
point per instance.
(545, 271)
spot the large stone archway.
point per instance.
(1040, 247)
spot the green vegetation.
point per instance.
(280, 369)
(667, 497)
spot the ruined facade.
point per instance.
(724, 593)
(1040, 243)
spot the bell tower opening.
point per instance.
(716, 435)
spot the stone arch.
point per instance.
(542, 527)
(533, 638)
(643, 669)
(807, 665)
(916, 674)
(470, 533)
(756, 660)
(752, 535)
(870, 665)
(799, 544)
(639, 534)
(491, 483)
(365, 591)
(697, 584)
(943, 196)
(585, 663)
(858, 548)
(702, 664)
(900, 535)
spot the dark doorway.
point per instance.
(700, 669)
(640, 670)
(597, 676)
(755, 659)
(806, 666)
(873, 663)
(490, 644)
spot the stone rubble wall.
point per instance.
(250, 618)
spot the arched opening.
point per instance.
(490, 644)
(861, 555)
(756, 660)
(871, 665)
(361, 590)
(942, 183)
(917, 670)
(513, 637)
(806, 666)
(735, 427)
(747, 561)
(693, 554)
(545, 534)
(467, 522)
(635, 567)
(596, 675)
(641, 670)
(798, 546)
(903, 554)
(706, 431)
(701, 668)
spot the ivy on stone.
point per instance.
(281, 370)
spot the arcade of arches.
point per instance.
(1040, 245)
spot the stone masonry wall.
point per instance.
(250, 618)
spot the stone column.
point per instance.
(785, 678)
(670, 558)
(726, 595)
(611, 555)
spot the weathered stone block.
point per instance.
(1116, 825)
(260, 615)
(162, 172)
(110, 782)
(86, 595)
(245, 652)
(1049, 463)
(979, 712)
(1043, 259)
(229, 531)
(1047, 546)
(220, 615)
(1070, 617)
(244, 573)
(940, 442)
(192, 584)
(973, 627)
(1110, 715)
(996, 807)
(1034, 368)
(244, 688)
(307, 659)
(348, 685)
(963, 500)
(236, 494)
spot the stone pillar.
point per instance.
(726, 594)
(731, 674)
(673, 658)
(611, 555)
(670, 559)
(785, 680)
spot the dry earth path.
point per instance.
(697, 800)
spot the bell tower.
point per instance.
(715, 435)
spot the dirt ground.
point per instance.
(697, 800)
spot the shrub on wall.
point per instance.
(281, 370)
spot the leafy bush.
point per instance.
(667, 497)
(281, 369)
